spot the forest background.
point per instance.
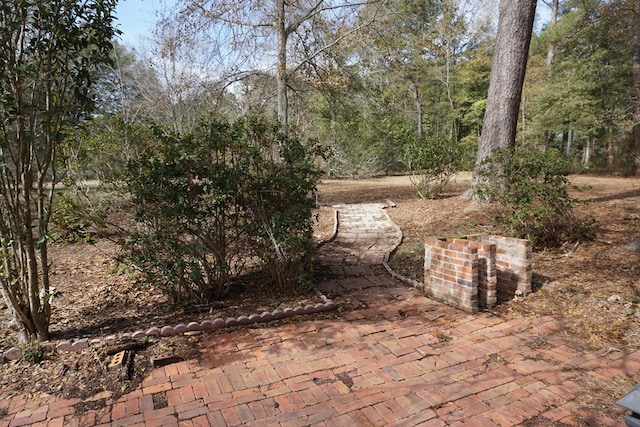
(380, 82)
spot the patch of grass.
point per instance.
(408, 261)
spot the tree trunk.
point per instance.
(283, 104)
(418, 105)
(551, 52)
(508, 67)
(636, 86)
(586, 154)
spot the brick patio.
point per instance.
(401, 359)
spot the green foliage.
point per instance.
(212, 203)
(582, 102)
(94, 160)
(530, 190)
(282, 196)
(31, 351)
(434, 161)
(406, 82)
(49, 54)
(69, 222)
(100, 150)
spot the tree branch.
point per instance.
(315, 10)
(334, 42)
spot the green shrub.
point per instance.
(214, 202)
(69, 223)
(282, 212)
(530, 190)
(434, 161)
(92, 163)
(79, 215)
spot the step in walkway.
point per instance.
(395, 358)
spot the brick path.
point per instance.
(401, 359)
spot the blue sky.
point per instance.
(136, 19)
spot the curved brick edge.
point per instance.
(412, 283)
(385, 263)
(398, 241)
(15, 353)
(334, 232)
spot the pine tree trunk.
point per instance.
(282, 63)
(508, 66)
(636, 86)
(418, 104)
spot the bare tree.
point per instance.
(508, 67)
(248, 37)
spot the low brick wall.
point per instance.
(451, 272)
(469, 273)
(514, 265)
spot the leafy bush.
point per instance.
(69, 222)
(101, 148)
(213, 202)
(530, 189)
(281, 203)
(434, 161)
(92, 161)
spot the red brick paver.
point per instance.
(399, 359)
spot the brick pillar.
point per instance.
(487, 279)
(451, 272)
(514, 263)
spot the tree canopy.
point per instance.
(372, 79)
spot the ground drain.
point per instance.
(160, 400)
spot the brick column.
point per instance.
(451, 273)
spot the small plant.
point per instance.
(31, 351)
(51, 295)
(434, 161)
(530, 190)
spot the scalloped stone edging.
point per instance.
(15, 353)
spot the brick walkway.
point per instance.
(401, 359)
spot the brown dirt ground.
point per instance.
(573, 284)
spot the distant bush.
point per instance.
(69, 221)
(434, 161)
(92, 162)
(530, 190)
(213, 202)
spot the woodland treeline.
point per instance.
(380, 82)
